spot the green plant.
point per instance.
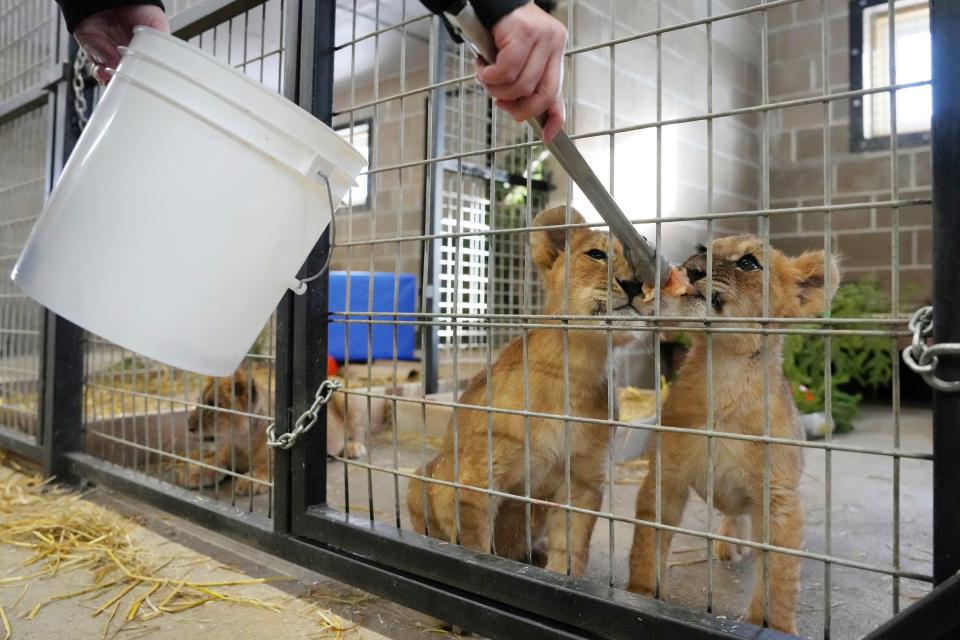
(861, 361)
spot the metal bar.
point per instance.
(123, 442)
(827, 346)
(297, 84)
(62, 376)
(391, 317)
(611, 395)
(894, 295)
(61, 412)
(309, 328)
(763, 7)
(754, 213)
(402, 25)
(433, 220)
(349, 260)
(374, 209)
(636, 325)
(593, 610)
(917, 455)
(398, 248)
(945, 24)
(31, 98)
(20, 443)
(708, 312)
(936, 616)
(760, 108)
(659, 560)
(206, 15)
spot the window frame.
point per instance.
(859, 141)
(366, 204)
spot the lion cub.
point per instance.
(587, 357)
(240, 439)
(796, 290)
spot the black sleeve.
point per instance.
(489, 11)
(74, 12)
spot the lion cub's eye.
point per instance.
(748, 263)
(596, 254)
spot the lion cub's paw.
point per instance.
(729, 552)
(247, 486)
(355, 450)
(193, 477)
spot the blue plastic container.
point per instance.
(381, 335)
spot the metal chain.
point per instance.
(79, 84)
(923, 358)
(306, 421)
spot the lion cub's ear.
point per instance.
(810, 271)
(547, 244)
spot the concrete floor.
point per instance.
(206, 556)
(861, 517)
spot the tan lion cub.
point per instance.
(240, 438)
(588, 283)
(796, 290)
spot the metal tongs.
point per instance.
(640, 255)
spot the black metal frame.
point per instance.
(945, 28)
(492, 596)
(858, 142)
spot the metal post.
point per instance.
(61, 422)
(433, 222)
(298, 90)
(945, 29)
(308, 321)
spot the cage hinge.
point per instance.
(923, 357)
(306, 420)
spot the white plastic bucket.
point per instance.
(189, 204)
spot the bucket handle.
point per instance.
(298, 285)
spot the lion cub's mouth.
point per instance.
(716, 300)
(600, 309)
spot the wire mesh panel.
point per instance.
(751, 450)
(28, 30)
(23, 178)
(204, 434)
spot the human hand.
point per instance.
(100, 34)
(526, 77)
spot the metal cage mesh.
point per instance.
(23, 180)
(28, 32)
(727, 117)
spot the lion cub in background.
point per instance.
(587, 358)
(796, 290)
(239, 436)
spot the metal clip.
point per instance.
(923, 358)
(306, 421)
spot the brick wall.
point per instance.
(863, 235)
(393, 211)
(621, 91)
(684, 191)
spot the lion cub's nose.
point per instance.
(632, 288)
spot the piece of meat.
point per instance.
(677, 285)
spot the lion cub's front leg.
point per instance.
(677, 454)
(786, 530)
(584, 496)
